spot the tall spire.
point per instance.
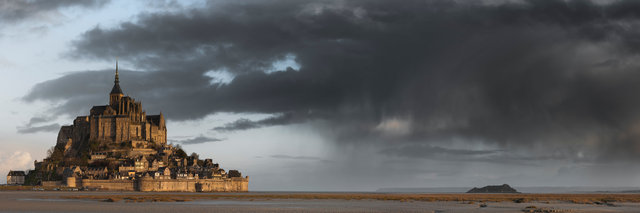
(117, 81)
(116, 84)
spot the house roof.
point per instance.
(16, 173)
(99, 110)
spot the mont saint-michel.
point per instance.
(119, 147)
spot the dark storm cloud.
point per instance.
(536, 76)
(71, 99)
(34, 129)
(12, 11)
(240, 124)
(66, 96)
(245, 124)
(427, 150)
(196, 140)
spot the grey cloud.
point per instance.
(299, 158)
(12, 11)
(537, 75)
(34, 129)
(35, 125)
(240, 124)
(39, 119)
(196, 140)
(245, 124)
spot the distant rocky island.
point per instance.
(504, 188)
(119, 147)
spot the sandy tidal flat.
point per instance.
(59, 201)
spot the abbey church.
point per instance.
(119, 147)
(122, 121)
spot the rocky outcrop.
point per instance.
(504, 188)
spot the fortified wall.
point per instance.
(147, 184)
(114, 185)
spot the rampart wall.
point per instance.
(235, 184)
(167, 185)
(118, 185)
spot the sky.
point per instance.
(343, 95)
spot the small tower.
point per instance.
(116, 93)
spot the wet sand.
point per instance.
(53, 201)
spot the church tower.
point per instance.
(116, 92)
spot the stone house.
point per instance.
(141, 164)
(73, 171)
(125, 169)
(15, 178)
(155, 165)
(181, 174)
(97, 173)
(97, 156)
(162, 173)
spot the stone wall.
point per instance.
(148, 184)
(194, 185)
(118, 185)
(52, 183)
(167, 185)
(235, 184)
